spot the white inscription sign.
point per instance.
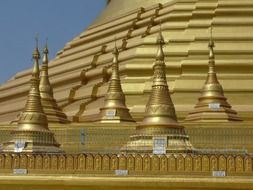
(219, 173)
(214, 106)
(19, 146)
(159, 145)
(20, 171)
(111, 113)
(121, 172)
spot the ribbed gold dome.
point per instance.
(121, 7)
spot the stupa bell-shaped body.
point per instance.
(49, 104)
(212, 104)
(32, 133)
(160, 109)
(160, 121)
(114, 109)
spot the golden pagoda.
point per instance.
(32, 134)
(114, 109)
(49, 104)
(160, 120)
(212, 105)
(102, 152)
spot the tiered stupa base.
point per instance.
(206, 114)
(175, 141)
(33, 142)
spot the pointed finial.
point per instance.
(115, 49)
(160, 38)
(160, 41)
(37, 39)
(36, 53)
(45, 50)
(115, 66)
(36, 57)
(211, 42)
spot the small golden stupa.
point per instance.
(50, 107)
(160, 120)
(32, 133)
(115, 109)
(212, 105)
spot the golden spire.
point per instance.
(212, 77)
(32, 129)
(160, 109)
(212, 105)
(33, 104)
(49, 104)
(160, 119)
(114, 109)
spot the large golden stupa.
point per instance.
(156, 90)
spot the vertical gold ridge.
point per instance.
(114, 101)
(49, 104)
(212, 93)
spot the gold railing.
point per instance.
(133, 164)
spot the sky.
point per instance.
(58, 20)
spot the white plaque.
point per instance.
(219, 173)
(159, 145)
(110, 113)
(214, 106)
(121, 172)
(19, 146)
(20, 171)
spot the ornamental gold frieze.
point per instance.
(135, 164)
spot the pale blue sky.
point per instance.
(59, 20)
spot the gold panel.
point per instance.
(163, 163)
(155, 163)
(54, 162)
(31, 162)
(106, 163)
(172, 166)
(130, 163)
(82, 162)
(188, 163)
(205, 164)
(122, 162)
(146, 163)
(114, 162)
(239, 164)
(90, 162)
